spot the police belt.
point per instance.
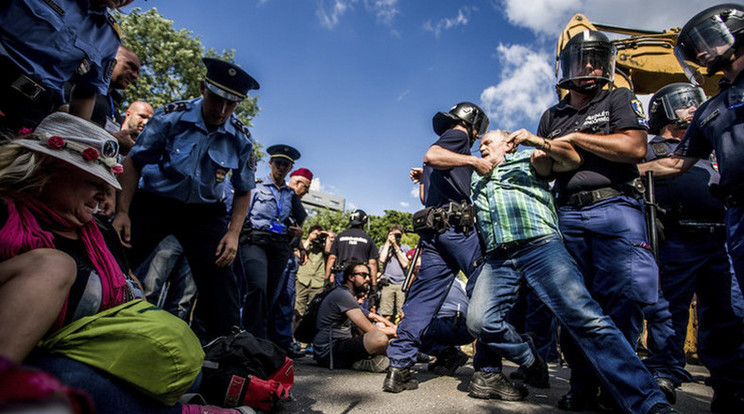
(14, 83)
(262, 237)
(461, 216)
(580, 199)
(696, 227)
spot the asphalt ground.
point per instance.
(320, 390)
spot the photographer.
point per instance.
(311, 275)
(393, 258)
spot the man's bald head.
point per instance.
(137, 115)
(126, 70)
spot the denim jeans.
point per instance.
(555, 278)
(166, 277)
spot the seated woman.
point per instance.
(58, 262)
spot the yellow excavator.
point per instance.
(645, 58)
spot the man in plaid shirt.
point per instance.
(519, 226)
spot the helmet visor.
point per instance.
(480, 124)
(708, 40)
(588, 61)
(677, 104)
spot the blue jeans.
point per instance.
(555, 278)
(442, 257)
(166, 278)
(697, 263)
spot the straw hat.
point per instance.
(77, 142)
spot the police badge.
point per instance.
(219, 175)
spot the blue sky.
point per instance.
(353, 84)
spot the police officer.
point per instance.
(33, 68)
(184, 154)
(446, 182)
(692, 255)
(269, 227)
(352, 244)
(714, 38)
(599, 203)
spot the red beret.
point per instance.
(302, 172)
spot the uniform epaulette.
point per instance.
(241, 126)
(176, 106)
(114, 24)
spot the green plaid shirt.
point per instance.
(513, 203)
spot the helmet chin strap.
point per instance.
(585, 89)
(720, 61)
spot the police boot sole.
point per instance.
(487, 393)
(397, 387)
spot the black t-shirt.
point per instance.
(450, 185)
(85, 294)
(353, 244)
(332, 321)
(609, 112)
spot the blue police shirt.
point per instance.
(56, 40)
(686, 197)
(450, 185)
(184, 161)
(610, 111)
(719, 124)
(269, 203)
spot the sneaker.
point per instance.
(536, 374)
(295, 351)
(399, 379)
(667, 387)
(662, 408)
(309, 349)
(448, 362)
(494, 385)
(727, 401)
(379, 363)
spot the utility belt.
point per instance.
(262, 237)
(696, 227)
(437, 220)
(21, 93)
(634, 189)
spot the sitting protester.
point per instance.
(346, 336)
(60, 265)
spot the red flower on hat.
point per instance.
(25, 131)
(117, 169)
(90, 154)
(55, 141)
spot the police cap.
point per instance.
(227, 80)
(283, 151)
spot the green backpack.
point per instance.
(137, 342)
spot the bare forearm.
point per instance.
(625, 146)
(82, 102)
(564, 155)
(440, 158)
(667, 167)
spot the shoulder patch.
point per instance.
(637, 107)
(114, 24)
(241, 126)
(176, 107)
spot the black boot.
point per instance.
(399, 379)
(495, 385)
(536, 374)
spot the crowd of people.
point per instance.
(103, 207)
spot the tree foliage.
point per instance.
(171, 69)
(337, 222)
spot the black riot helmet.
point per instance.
(587, 48)
(468, 112)
(709, 39)
(666, 103)
(357, 218)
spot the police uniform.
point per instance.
(442, 255)
(181, 192)
(265, 250)
(719, 125)
(43, 44)
(694, 261)
(601, 218)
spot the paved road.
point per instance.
(319, 390)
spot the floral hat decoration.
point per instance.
(77, 142)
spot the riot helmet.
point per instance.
(709, 39)
(666, 104)
(357, 218)
(468, 112)
(588, 55)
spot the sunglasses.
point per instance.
(362, 274)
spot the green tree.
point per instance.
(335, 221)
(171, 63)
(338, 221)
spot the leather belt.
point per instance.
(587, 198)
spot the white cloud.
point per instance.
(404, 204)
(403, 94)
(330, 12)
(525, 89)
(415, 191)
(462, 18)
(547, 17)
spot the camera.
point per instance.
(320, 241)
(398, 236)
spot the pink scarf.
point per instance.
(22, 233)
